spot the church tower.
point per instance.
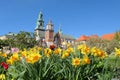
(49, 35)
(39, 30)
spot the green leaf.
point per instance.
(46, 72)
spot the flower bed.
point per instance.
(81, 63)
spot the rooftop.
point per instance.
(109, 36)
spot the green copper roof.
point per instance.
(40, 22)
(40, 16)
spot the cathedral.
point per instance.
(44, 34)
(47, 34)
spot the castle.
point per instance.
(47, 34)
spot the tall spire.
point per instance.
(40, 21)
(40, 16)
(49, 22)
(60, 30)
(49, 25)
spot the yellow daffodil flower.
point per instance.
(76, 61)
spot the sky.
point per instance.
(74, 17)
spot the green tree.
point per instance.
(3, 43)
(24, 40)
(21, 40)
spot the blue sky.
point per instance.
(76, 17)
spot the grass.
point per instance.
(114, 62)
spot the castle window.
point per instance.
(40, 24)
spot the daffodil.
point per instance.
(84, 49)
(29, 59)
(0, 52)
(15, 56)
(76, 61)
(70, 49)
(65, 54)
(80, 47)
(94, 51)
(36, 57)
(85, 60)
(102, 54)
(4, 55)
(97, 52)
(117, 52)
(57, 51)
(68, 45)
(10, 61)
(23, 53)
(39, 48)
(32, 58)
(47, 52)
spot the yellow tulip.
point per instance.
(2, 76)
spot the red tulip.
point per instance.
(52, 47)
(4, 65)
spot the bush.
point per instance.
(107, 46)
